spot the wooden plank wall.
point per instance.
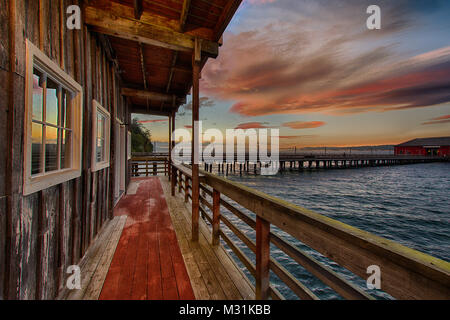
(43, 233)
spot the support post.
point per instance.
(186, 189)
(262, 259)
(173, 181)
(170, 145)
(196, 60)
(216, 218)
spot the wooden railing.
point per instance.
(405, 273)
(149, 166)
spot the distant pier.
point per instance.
(290, 162)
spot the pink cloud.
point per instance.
(265, 72)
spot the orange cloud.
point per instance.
(304, 124)
(252, 125)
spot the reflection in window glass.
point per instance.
(100, 145)
(65, 149)
(38, 92)
(36, 147)
(52, 112)
(51, 149)
(100, 150)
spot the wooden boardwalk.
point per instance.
(148, 264)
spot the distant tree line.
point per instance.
(141, 138)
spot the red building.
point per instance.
(425, 147)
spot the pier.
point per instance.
(154, 165)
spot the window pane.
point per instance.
(36, 147)
(52, 113)
(65, 109)
(100, 125)
(100, 150)
(66, 149)
(38, 92)
(51, 148)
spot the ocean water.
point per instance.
(409, 204)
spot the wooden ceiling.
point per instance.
(153, 41)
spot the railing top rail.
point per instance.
(406, 273)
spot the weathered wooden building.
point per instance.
(66, 98)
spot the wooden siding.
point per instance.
(43, 233)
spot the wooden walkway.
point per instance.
(148, 264)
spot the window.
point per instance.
(53, 111)
(101, 124)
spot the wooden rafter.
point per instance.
(184, 14)
(150, 95)
(144, 70)
(105, 22)
(228, 13)
(172, 71)
(150, 111)
(138, 9)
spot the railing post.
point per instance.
(146, 168)
(216, 218)
(262, 259)
(180, 181)
(155, 168)
(186, 189)
(174, 180)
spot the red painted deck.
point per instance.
(147, 264)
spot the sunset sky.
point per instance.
(312, 69)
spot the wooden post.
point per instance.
(186, 189)
(173, 181)
(216, 218)
(180, 181)
(262, 259)
(196, 60)
(170, 145)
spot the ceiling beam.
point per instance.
(138, 9)
(144, 70)
(153, 96)
(184, 14)
(150, 111)
(105, 22)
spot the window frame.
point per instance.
(34, 183)
(95, 165)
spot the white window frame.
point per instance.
(41, 181)
(129, 145)
(95, 165)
